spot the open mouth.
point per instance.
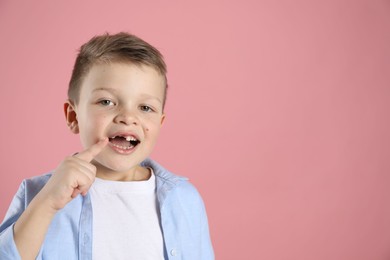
(124, 142)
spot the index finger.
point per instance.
(91, 152)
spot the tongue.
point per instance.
(120, 141)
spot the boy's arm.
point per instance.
(30, 229)
(74, 176)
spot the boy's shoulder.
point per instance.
(31, 186)
(162, 173)
(36, 182)
(39, 179)
(169, 183)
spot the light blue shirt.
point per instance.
(183, 221)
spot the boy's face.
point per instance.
(123, 102)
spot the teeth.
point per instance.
(128, 138)
(124, 147)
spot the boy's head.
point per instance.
(117, 91)
(119, 48)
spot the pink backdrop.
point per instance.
(277, 110)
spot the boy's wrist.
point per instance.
(43, 205)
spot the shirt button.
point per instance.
(173, 252)
(86, 238)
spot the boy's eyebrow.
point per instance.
(114, 90)
(106, 89)
(151, 97)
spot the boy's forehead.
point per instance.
(118, 69)
(115, 76)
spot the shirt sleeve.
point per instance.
(207, 251)
(8, 248)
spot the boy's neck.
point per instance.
(137, 173)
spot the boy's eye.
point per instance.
(106, 102)
(146, 108)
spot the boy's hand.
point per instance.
(73, 176)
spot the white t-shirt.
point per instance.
(126, 221)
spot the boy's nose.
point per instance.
(126, 118)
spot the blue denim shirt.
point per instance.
(183, 221)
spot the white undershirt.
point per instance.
(125, 220)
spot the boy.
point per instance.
(110, 201)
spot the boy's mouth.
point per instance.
(124, 142)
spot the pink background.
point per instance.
(278, 111)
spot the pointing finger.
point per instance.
(91, 152)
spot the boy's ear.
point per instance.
(162, 119)
(71, 117)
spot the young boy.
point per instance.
(110, 201)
